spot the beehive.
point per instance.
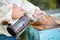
(49, 34)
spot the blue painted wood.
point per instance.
(50, 34)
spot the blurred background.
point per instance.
(50, 6)
(46, 4)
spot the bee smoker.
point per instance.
(19, 26)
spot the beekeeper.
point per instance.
(11, 10)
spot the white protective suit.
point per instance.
(6, 12)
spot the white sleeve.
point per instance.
(5, 13)
(29, 8)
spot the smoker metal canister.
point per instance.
(19, 26)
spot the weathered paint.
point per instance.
(32, 34)
(50, 34)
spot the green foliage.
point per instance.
(23, 36)
(29, 0)
(45, 4)
(52, 4)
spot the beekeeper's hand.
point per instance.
(17, 12)
(43, 17)
(45, 21)
(38, 13)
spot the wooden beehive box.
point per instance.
(50, 34)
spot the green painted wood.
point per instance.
(32, 34)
